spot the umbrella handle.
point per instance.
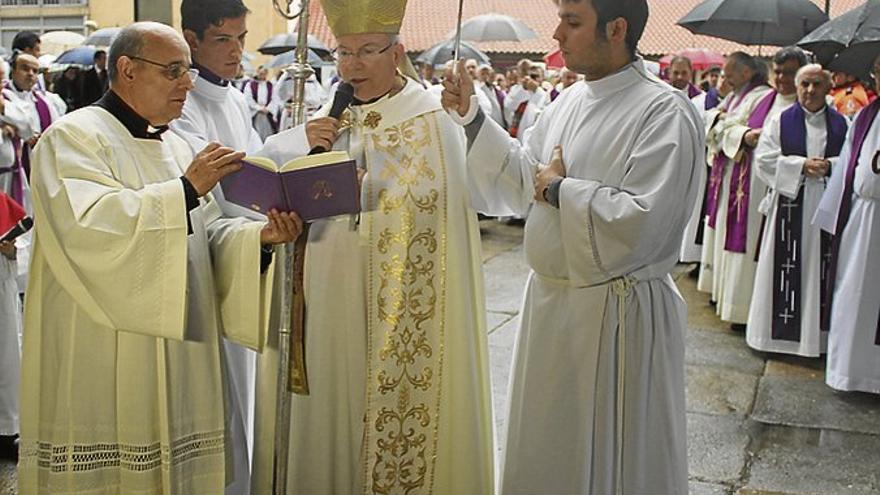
(457, 46)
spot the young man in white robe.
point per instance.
(597, 391)
(797, 150)
(849, 211)
(135, 273)
(395, 337)
(216, 111)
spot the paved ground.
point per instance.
(757, 424)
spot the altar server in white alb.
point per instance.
(134, 275)
(215, 110)
(796, 152)
(612, 166)
(849, 210)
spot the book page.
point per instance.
(316, 160)
(262, 162)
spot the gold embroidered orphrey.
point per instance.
(407, 304)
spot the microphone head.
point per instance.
(343, 98)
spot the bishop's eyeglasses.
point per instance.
(364, 54)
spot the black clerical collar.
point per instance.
(138, 126)
(210, 76)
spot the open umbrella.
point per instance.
(701, 58)
(857, 59)
(554, 59)
(55, 42)
(443, 52)
(81, 55)
(286, 42)
(102, 37)
(859, 25)
(750, 22)
(495, 27)
(287, 58)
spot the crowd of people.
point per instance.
(770, 232)
(147, 356)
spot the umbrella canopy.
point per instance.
(81, 55)
(857, 59)
(288, 58)
(56, 42)
(701, 58)
(102, 37)
(765, 22)
(554, 59)
(443, 52)
(286, 42)
(859, 25)
(495, 27)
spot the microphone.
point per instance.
(20, 228)
(343, 98)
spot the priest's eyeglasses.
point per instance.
(365, 53)
(172, 71)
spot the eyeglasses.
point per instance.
(365, 53)
(172, 71)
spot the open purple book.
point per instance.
(314, 186)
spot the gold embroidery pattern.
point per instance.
(407, 294)
(372, 119)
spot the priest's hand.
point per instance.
(457, 91)
(281, 228)
(8, 130)
(322, 132)
(816, 167)
(751, 138)
(32, 142)
(210, 165)
(547, 174)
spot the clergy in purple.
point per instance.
(795, 154)
(849, 211)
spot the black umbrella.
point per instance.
(859, 25)
(286, 42)
(443, 52)
(751, 22)
(857, 59)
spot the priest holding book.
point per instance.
(135, 276)
(396, 347)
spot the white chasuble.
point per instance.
(122, 369)
(396, 347)
(597, 390)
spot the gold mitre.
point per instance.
(364, 16)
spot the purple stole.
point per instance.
(255, 89)
(693, 90)
(554, 94)
(788, 227)
(22, 150)
(862, 126)
(501, 96)
(740, 184)
(716, 174)
(711, 99)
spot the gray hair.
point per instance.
(129, 43)
(803, 71)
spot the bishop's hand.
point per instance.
(210, 165)
(457, 91)
(322, 132)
